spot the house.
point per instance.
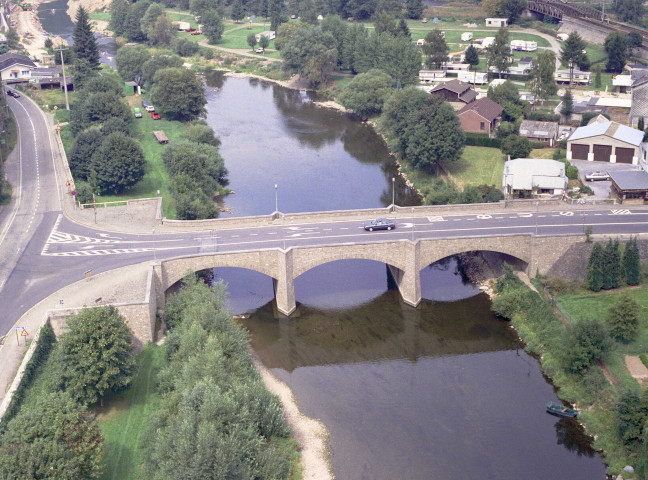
(181, 26)
(578, 77)
(456, 92)
(14, 67)
(639, 107)
(482, 116)
(497, 22)
(622, 83)
(532, 177)
(617, 109)
(535, 131)
(607, 142)
(629, 186)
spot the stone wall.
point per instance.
(592, 33)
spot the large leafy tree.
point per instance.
(118, 14)
(398, 111)
(616, 47)
(516, 146)
(586, 342)
(312, 53)
(436, 49)
(133, 28)
(611, 265)
(238, 11)
(117, 164)
(152, 13)
(594, 274)
(85, 45)
(631, 262)
(542, 81)
(632, 412)
(631, 11)
(130, 59)
(96, 352)
(507, 96)
(275, 12)
(385, 22)
(200, 132)
(85, 145)
(56, 439)
(414, 9)
(189, 158)
(511, 9)
(572, 54)
(396, 56)
(499, 52)
(157, 63)
(367, 92)
(434, 135)
(337, 27)
(213, 26)
(285, 33)
(355, 39)
(623, 318)
(179, 94)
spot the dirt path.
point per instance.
(237, 51)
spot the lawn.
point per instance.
(477, 166)
(99, 15)
(123, 420)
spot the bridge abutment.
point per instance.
(284, 284)
(408, 280)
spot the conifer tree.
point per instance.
(623, 318)
(85, 45)
(594, 275)
(611, 265)
(631, 262)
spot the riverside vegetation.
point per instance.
(194, 408)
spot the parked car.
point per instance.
(594, 176)
(13, 93)
(138, 113)
(150, 108)
(191, 29)
(259, 50)
(155, 115)
(197, 32)
(145, 104)
(379, 224)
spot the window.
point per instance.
(24, 72)
(482, 126)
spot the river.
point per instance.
(435, 392)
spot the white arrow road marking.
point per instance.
(405, 225)
(567, 214)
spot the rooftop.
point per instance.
(485, 107)
(630, 179)
(536, 129)
(528, 173)
(610, 129)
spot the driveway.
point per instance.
(601, 188)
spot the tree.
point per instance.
(85, 45)
(83, 72)
(511, 9)
(630, 11)
(179, 94)
(212, 25)
(434, 134)
(97, 352)
(200, 161)
(398, 111)
(251, 40)
(435, 49)
(308, 12)
(337, 27)
(151, 15)
(157, 63)
(507, 96)
(384, 22)
(499, 52)
(312, 53)
(192, 203)
(392, 7)
(133, 29)
(285, 33)
(567, 104)
(130, 59)
(118, 14)
(516, 146)
(200, 132)
(85, 145)
(616, 47)
(543, 83)
(102, 83)
(403, 29)
(264, 41)
(623, 318)
(55, 439)
(238, 11)
(631, 262)
(597, 76)
(572, 54)
(185, 47)
(396, 56)
(632, 412)
(594, 274)
(414, 9)
(367, 92)
(118, 163)
(275, 12)
(585, 342)
(162, 32)
(611, 265)
(472, 56)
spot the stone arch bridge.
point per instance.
(404, 258)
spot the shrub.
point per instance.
(543, 116)
(185, 47)
(477, 140)
(571, 171)
(84, 192)
(586, 189)
(623, 318)
(207, 53)
(559, 154)
(586, 342)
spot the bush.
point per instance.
(185, 47)
(537, 145)
(84, 192)
(476, 140)
(207, 53)
(543, 116)
(586, 190)
(586, 342)
(623, 318)
(571, 171)
(559, 154)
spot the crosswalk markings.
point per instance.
(620, 212)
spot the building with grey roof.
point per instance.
(629, 186)
(14, 67)
(535, 131)
(607, 142)
(533, 177)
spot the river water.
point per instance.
(441, 391)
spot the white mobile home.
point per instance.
(269, 33)
(523, 46)
(466, 36)
(578, 77)
(497, 22)
(477, 78)
(428, 76)
(482, 43)
(456, 67)
(420, 42)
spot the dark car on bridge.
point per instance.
(379, 224)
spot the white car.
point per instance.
(259, 50)
(594, 176)
(150, 108)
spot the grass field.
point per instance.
(477, 166)
(125, 417)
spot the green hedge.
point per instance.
(478, 140)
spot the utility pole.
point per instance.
(67, 102)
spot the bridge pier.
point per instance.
(408, 281)
(284, 284)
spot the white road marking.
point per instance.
(436, 218)
(620, 212)
(567, 214)
(484, 217)
(524, 215)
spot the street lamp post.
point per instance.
(393, 193)
(276, 199)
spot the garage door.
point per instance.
(602, 153)
(579, 151)
(624, 155)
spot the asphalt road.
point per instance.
(42, 251)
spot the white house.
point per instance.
(497, 22)
(533, 177)
(15, 67)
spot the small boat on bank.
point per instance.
(561, 410)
